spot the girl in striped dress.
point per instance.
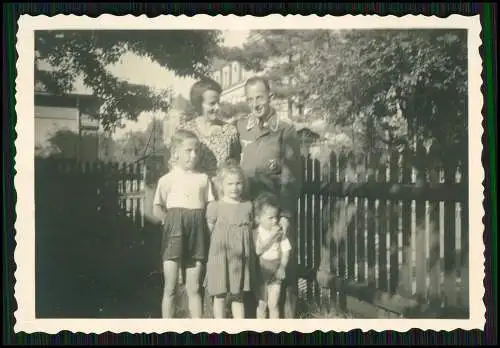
(230, 255)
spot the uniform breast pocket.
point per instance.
(273, 165)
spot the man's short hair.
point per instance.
(256, 79)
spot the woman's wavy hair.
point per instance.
(200, 87)
(230, 166)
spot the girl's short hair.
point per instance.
(178, 138)
(265, 199)
(230, 166)
(200, 87)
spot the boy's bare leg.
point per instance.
(170, 275)
(193, 286)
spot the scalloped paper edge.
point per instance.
(24, 254)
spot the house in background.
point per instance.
(65, 123)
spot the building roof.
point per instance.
(90, 104)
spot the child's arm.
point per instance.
(285, 256)
(211, 215)
(210, 196)
(261, 246)
(159, 210)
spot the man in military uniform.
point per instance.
(270, 157)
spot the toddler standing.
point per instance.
(273, 249)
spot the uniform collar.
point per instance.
(271, 123)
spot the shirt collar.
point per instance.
(271, 123)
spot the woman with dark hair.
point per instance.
(219, 139)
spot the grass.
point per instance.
(306, 310)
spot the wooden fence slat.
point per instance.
(302, 220)
(360, 223)
(324, 269)
(464, 242)
(371, 255)
(394, 225)
(302, 223)
(351, 221)
(450, 254)
(434, 240)
(381, 226)
(360, 242)
(309, 226)
(317, 227)
(317, 216)
(420, 238)
(406, 279)
(332, 220)
(341, 222)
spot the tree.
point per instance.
(388, 85)
(88, 53)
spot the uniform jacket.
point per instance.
(270, 157)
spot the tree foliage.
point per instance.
(136, 145)
(388, 85)
(88, 54)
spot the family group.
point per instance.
(228, 208)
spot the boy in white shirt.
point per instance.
(272, 248)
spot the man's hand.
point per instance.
(285, 224)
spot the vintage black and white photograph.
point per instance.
(223, 168)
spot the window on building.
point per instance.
(225, 81)
(216, 76)
(236, 73)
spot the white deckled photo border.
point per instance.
(24, 254)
